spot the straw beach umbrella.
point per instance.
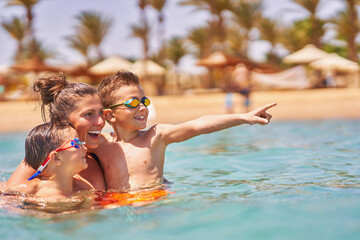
(335, 62)
(33, 65)
(148, 67)
(4, 69)
(151, 74)
(219, 59)
(307, 54)
(110, 66)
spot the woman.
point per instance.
(75, 104)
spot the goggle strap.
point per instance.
(40, 169)
(34, 176)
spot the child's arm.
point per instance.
(213, 123)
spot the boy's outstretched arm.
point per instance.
(213, 123)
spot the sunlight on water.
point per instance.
(288, 180)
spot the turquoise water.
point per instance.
(287, 180)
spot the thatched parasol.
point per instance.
(110, 66)
(75, 69)
(4, 69)
(305, 55)
(219, 59)
(33, 65)
(148, 67)
(335, 62)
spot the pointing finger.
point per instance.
(266, 107)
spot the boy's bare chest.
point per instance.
(138, 160)
(129, 166)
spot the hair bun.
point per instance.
(50, 86)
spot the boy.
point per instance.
(133, 159)
(57, 155)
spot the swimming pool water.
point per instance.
(287, 180)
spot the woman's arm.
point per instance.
(20, 175)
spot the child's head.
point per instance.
(45, 142)
(124, 100)
(110, 84)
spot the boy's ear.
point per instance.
(108, 114)
(54, 158)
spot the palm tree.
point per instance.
(246, 15)
(159, 6)
(17, 29)
(36, 50)
(175, 51)
(216, 8)
(93, 27)
(347, 23)
(316, 30)
(296, 36)
(142, 5)
(29, 5)
(269, 31)
(142, 31)
(235, 40)
(80, 44)
(200, 41)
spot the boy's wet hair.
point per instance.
(60, 96)
(110, 84)
(41, 140)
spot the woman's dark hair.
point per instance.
(41, 140)
(60, 96)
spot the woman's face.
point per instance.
(87, 120)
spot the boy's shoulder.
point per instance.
(27, 187)
(152, 131)
(106, 137)
(156, 128)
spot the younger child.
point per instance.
(57, 155)
(133, 158)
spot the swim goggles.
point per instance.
(76, 143)
(133, 103)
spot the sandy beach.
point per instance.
(292, 105)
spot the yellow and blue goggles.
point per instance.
(132, 103)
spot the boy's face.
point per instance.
(130, 118)
(74, 159)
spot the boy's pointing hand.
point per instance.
(260, 116)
